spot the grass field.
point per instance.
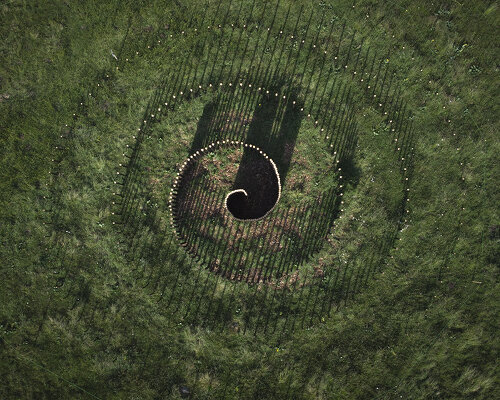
(375, 276)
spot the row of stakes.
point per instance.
(244, 26)
(59, 147)
(314, 46)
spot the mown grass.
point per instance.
(75, 327)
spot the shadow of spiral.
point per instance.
(290, 91)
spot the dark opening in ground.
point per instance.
(256, 189)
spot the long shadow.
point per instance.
(274, 128)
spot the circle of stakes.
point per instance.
(328, 105)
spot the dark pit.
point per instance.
(256, 189)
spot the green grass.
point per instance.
(79, 318)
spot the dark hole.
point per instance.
(256, 188)
(237, 204)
